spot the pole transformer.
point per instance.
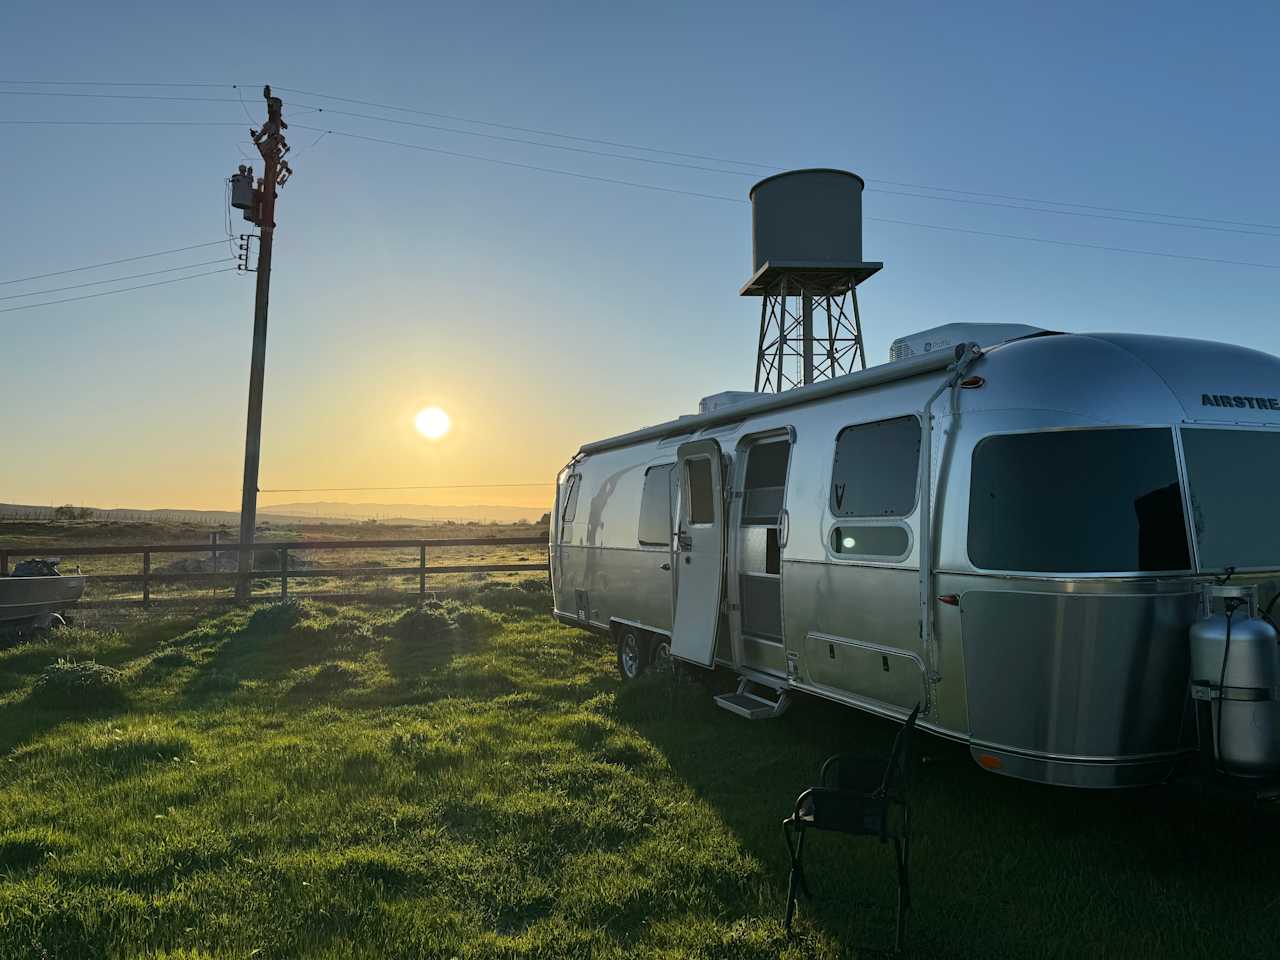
(259, 205)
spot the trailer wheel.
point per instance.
(660, 656)
(633, 652)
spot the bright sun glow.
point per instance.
(432, 423)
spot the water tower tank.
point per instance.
(806, 259)
(813, 217)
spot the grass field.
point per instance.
(473, 781)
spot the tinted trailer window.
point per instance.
(1233, 476)
(874, 474)
(1077, 501)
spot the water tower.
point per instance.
(806, 240)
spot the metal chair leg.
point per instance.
(804, 879)
(792, 893)
(796, 882)
(906, 867)
(904, 895)
(793, 890)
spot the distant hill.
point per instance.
(391, 512)
(411, 513)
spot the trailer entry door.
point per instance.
(698, 552)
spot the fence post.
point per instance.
(213, 557)
(4, 563)
(146, 579)
(284, 573)
(422, 570)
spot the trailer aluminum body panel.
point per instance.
(1066, 504)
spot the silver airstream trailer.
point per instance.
(1010, 526)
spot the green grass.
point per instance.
(472, 781)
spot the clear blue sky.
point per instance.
(542, 310)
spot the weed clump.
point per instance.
(429, 621)
(276, 618)
(428, 749)
(215, 680)
(171, 659)
(127, 750)
(525, 596)
(83, 684)
(476, 622)
(328, 679)
(20, 849)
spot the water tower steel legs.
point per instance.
(790, 354)
(857, 330)
(806, 333)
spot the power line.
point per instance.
(712, 196)
(1077, 213)
(134, 276)
(445, 486)
(109, 83)
(743, 173)
(124, 123)
(518, 129)
(772, 166)
(114, 96)
(1205, 225)
(107, 293)
(526, 166)
(533, 143)
(112, 263)
(1075, 243)
(1085, 206)
(1166, 217)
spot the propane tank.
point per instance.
(1235, 682)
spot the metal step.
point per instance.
(751, 705)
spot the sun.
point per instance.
(432, 422)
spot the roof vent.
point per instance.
(718, 401)
(948, 335)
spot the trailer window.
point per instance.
(870, 540)
(698, 474)
(655, 507)
(571, 498)
(875, 469)
(1232, 476)
(1077, 501)
(765, 482)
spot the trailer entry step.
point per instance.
(746, 703)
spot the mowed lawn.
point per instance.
(473, 781)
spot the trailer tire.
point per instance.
(660, 661)
(633, 652)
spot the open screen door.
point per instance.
(698, 552)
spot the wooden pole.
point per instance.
(271, 145)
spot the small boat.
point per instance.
(34, 593)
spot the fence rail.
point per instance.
(281, 549)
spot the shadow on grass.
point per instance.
(1000, 866)
(23, 719)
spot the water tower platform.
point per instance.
(814, 279)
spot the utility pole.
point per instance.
(259, 206)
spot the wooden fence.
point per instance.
(284, 574)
